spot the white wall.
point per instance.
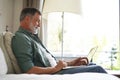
(6, 14)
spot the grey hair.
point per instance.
(28, 12)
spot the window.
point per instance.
(98, 25)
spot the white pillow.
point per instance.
(3, 65)
(7, 39)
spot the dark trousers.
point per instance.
(81, 69)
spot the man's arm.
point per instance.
(47, 70)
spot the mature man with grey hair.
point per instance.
(33, 57)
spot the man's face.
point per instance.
(35, 23)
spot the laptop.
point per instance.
(89, 56)
(91, 53)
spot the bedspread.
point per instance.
(78, 76)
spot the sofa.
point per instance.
(9, 69)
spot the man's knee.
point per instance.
(100, 69)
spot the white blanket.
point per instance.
(78, 76)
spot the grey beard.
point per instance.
(35, 31)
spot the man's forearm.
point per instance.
(42, 70)
(70, 63)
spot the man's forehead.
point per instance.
(37, 15)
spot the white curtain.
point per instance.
(43, 28)
(31, 3)
(43, 31)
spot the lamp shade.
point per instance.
(72, 6)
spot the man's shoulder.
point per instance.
(21, 36)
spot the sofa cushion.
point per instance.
(9, 65)
(3, 66)
(7, 38)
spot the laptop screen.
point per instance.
(91, 53)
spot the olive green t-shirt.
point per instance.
(26, 48)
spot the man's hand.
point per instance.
(61, 64)
(79, 61)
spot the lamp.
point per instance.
(71, 6)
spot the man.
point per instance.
(33, 57)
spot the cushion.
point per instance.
(7, 38)
(3, 66)
(9, 65)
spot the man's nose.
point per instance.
(38, 25)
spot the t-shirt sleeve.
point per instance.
(22, 49)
